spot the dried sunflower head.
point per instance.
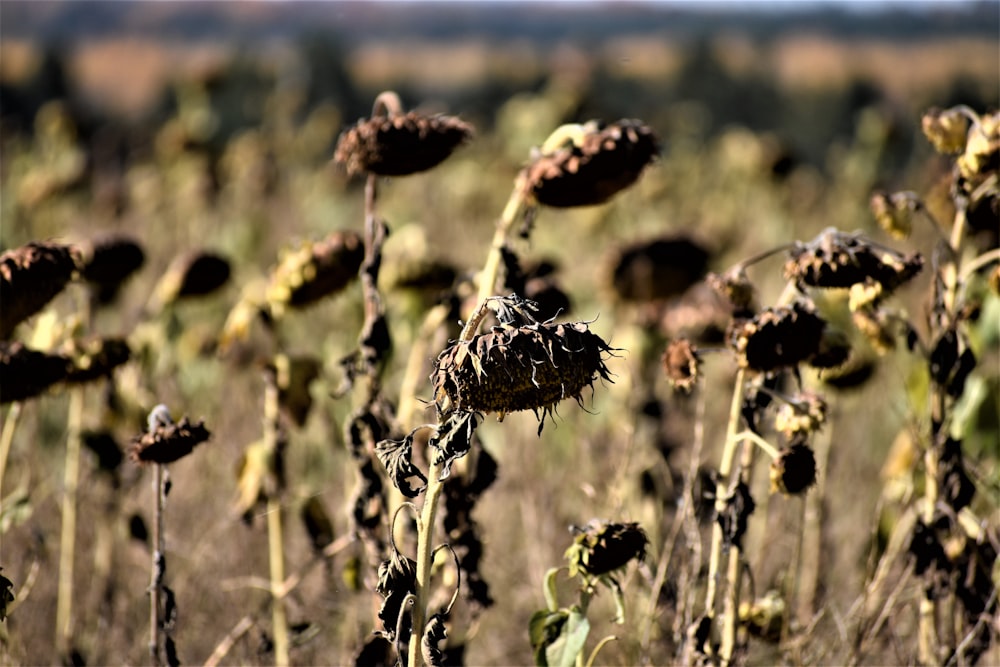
(681, 363)
(28, 373)
(794, 470)
(30, 277)
(735, 287)
(398, 143)
(106, 264)
(777, 337)
(168, 442)
(601, 547)
(192, 274)
(519, 366)
(95, 358)
(315, 270)
(835, 259)
(599, 162)
(946, 129)
(657, 269)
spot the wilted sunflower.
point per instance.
(95, 358)
(946, 129)
(192, 274)
(107, 263)
(681, 364)
(602, 547)
(314, 270)
(599, 162)
(168, 442)
(398, 143)
(777, 337)
(894, 211)
(30, 276)
(28, 373)
(658, 269)
(794, 470)
(835, 259)
(520, 366)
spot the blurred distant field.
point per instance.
(212, 127)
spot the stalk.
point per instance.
(515, 205)
(721, 489)
(67, 540)
(276, 555)
(156, 571)
(7, 438)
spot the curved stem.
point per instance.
(388, 104)
(515, 205)
(979, 262)
(413, 375)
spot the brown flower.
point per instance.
(794, 470)
(28, 373)
(599, 163)
(602, 547)
(168, 442)
(657, 269)
(512, 368)
(108, 263)
(777, 337)
(835, 259)
(30, 277)
(192, 274)
(735, 287)
(95, 358)
(681, 364)
(315, 270)
(399, 143)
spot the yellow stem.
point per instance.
(7, 438)
(721, 489)
(425, 557)
(488, 278)
(67, 542)
(276, 555)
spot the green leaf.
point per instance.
(569, 644)
(544, 628)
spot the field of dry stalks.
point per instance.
(286, 386)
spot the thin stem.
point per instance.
(413, 375)
(387, 103)
(276, 555)
(515, 205)
(67, 542)
(725, 468)
(979, 262)
(7, 438)
(768, 448)
(157, 567)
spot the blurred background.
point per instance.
(210, 126)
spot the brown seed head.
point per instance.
(794, 470)
(777, 337)
(595, 167)
(400, 144)
(657, 269)
(602, 547)
(681, 363)
(315, 270)
(108, 263)
(802, 416)
(838, 260)
(30, 277)
(735, 287)
(945, 129)
(192, 274)
(168, 443)
(94, 358)
(27, 373)
(512, 368)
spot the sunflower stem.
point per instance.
(425, 558)
(515, 205)
(67, 540)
